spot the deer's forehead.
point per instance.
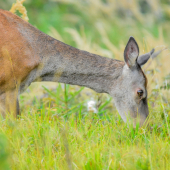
(134, 75)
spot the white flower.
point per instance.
(91, 106)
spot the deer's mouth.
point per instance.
(141, 113)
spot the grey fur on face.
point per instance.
(127, 100)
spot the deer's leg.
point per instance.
(9, 103)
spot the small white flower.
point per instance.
(91, 106)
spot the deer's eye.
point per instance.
(140, 93)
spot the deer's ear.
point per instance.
(145, 57)
(131, 52)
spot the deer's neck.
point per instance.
(66, 64)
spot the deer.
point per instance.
(28, 55)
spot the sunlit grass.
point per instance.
(46, 140)
(59, 133)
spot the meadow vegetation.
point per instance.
(56, 130)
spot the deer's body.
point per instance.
(28, 55)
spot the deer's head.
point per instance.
(130, 93)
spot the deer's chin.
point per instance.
(131, 117)
(135, 122)
(136, 114)
(139, 122)
(137, 119)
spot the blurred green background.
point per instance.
(119, 19)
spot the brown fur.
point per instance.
(17, 57)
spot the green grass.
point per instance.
(62, 134)
(55, 130)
